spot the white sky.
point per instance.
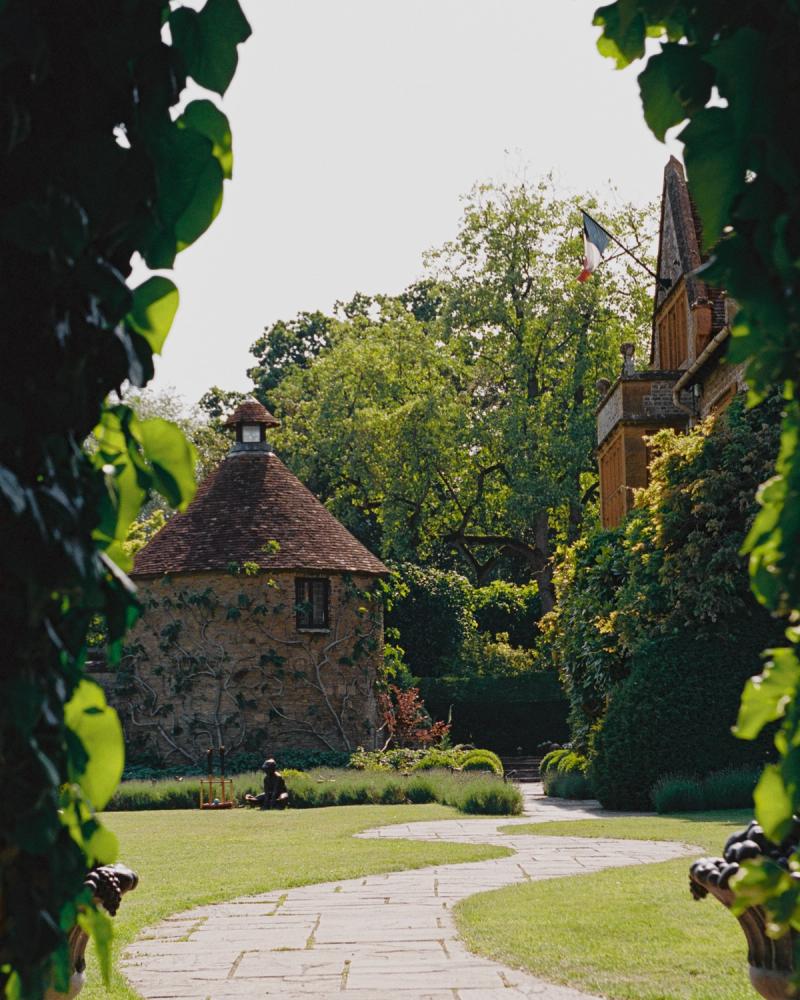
(358, 124)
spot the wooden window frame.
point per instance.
(305, 618)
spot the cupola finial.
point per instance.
(250, 420)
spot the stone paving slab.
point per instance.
(383, 937)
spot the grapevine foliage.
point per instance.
(94, 169)
(743, 164)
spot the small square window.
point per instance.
(251, 433)
(312, 597)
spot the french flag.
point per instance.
(595, 240)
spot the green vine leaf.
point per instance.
(767, 695)
(675, 83)
(97, 726)
(207, 40)
(206, 118)
(715, 168)
(155, 303)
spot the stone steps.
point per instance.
(525, 768)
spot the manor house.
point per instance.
(687, 377)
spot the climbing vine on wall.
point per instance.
(743, 166)
(213, 667)
(95, 167)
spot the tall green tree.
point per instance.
(459, 417)
(286, 346)
(730, 68)
(97, 163)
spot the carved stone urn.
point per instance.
(772, 966)
(108, 883)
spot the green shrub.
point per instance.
(393, 793)
(420, 790)
(673, 716)
(564, 775)
(574, 785)
(676, 793)
(730, 789)
(492, 799)
(448, 759)
(482, 760)
(550, 760)
(572, 763)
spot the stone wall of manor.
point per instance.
(219, 659)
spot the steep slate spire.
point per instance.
(250, 502)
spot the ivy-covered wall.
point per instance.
(217, 658)
(672, 572)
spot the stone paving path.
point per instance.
(384, 937)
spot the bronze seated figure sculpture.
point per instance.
(275, 794)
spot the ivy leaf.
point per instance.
(675, 83)
(172, 459)
(207, 41)
(98, 728)
(155, 303)
(766, 696)
(206, 118)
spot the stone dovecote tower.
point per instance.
(688, 377)
(262, 628)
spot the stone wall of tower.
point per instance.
(219, 659)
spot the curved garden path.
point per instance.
(384, 937)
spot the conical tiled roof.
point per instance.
(249, 501)
(250, 411)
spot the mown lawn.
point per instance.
(187, 858)
(627, 934)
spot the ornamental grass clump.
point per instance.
(731, 788)
(675, 793)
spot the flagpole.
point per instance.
(664, 282)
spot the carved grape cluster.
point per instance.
(109, 883)
(744, 845)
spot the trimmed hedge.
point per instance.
(469, 793)
(673, 715)
(506, 713)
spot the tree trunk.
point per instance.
(544, 578)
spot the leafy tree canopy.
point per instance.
(457, 420)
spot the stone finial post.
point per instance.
(602, 385)
(628, 364)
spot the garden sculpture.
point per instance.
(275, 794)
(109, 884)
(772, 968)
